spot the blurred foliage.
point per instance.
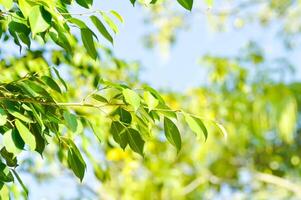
(82, 112)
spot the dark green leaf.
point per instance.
(135, 141)
(101, 28)
(187, 4)
(117, 130)
(172, 133)
(3, 117)
(99, 98)
(51, 83)
(87, 38)
(26, 135)
(85, 3)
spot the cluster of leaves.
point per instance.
(33, 110)
(30, 117)
(51, 21)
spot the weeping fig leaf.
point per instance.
(153, 1)
(19, 115)
(117, 130)
(9, 143)
(150, 100)
(133, 2)
(187, 4)
(221, 129)
(110, 22)
(3, 117)
(132, 98)
(117, 15)
(51, 83)
(39, 20)
(76, 163)
(75, 159)
(172, 133)
(101, 28)
(196, 125)
(60, 78)
(71, 121)
(26, 135)
(135, 140)
(99, 98)
(87, 38)
(85, 3)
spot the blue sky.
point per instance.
(181, 71)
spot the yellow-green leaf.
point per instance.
(26, 135)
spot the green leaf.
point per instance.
(187, 4)
(117, 130)
(132, 98)
(99, 98)
(85, 3)
(196, 125)
(39, 20)
(9, 143)
(124, 115)
(60, 78)
(26, 135)
(110, 22)
(172, 133)
(166, 111)
(18, 115)
(133, 2)
(135, 141)
(87, 38)
(51, 83)
(3, 117)
(150, 100)
(25, 7)
(75, 159)
(117, 15)
(71, 121)
(101, 28)
(222, 129)
(5, 174)
(10, 159)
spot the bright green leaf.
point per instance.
(196, 125)
(150, 100)
(132, 98)
(8, 142)
(117, 15)
(71, 121)
(39, 20)
(26, 135)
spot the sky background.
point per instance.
(180, 72)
